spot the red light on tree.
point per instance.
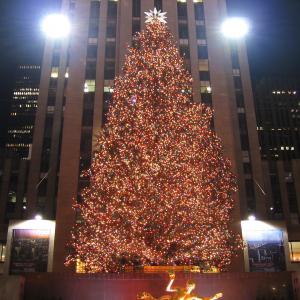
(160, 188)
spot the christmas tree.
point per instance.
(160, 189)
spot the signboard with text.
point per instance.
(29, 251)
(265, 250)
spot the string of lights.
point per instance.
(160, 189)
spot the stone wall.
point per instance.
(11, 287)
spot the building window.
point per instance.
(51, 100)
(205, 87)
(183, 31)
(237, 82)
(89, 86)
(86, 143)
(136, 26)
(110, 50)
(90, 71)
(203, 65)
(249, 188)
(276, 195)
(244, 141)
(206, 99)
(2, 252)
(54, 72)
(247, 168)
(93, 41)
(235, 57)
(158, 4)
(88, 101)
(112, 9)
(204, 76)
(87, 118)
(92, 51)
(242, 123)
(182, 10)
(239, 99)
(95, 10)
(93, 28)
(136, 8)
(109, 70)
(55, 59)
(199, 10)
(294, 252)
(111, 30)
(200, 32)
(184, 51)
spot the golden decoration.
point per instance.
(179, 293)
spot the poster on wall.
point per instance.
(266, 250)
(29, 251)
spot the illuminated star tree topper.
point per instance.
(155, 15)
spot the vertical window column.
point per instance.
(48, 127)
(183, 32)
(136, 16)
(110, 54)
(158, 4)
(243, 129)
(204, 75)
(89, 97)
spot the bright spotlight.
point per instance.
(235, 28)
(38, 217)
(56, 26)
(251, 218)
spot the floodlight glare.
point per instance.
(56, 26)
(38, 217)
(251, 218)
(235, 28)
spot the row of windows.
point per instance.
(29, 67)
(278, 92)
(17, 145)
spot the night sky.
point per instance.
(273, 44)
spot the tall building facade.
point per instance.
(277, 102)
(76, 89)
(278, 118)
(23, 109)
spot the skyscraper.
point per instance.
(23, 109)
(278, 117)
(278, 124)
(77, 84)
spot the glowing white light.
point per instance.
(154, 15)
(56, 26)
(251, 218)
(235, 28)
(38, 217)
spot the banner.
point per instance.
(265, 250)
(29, 251)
